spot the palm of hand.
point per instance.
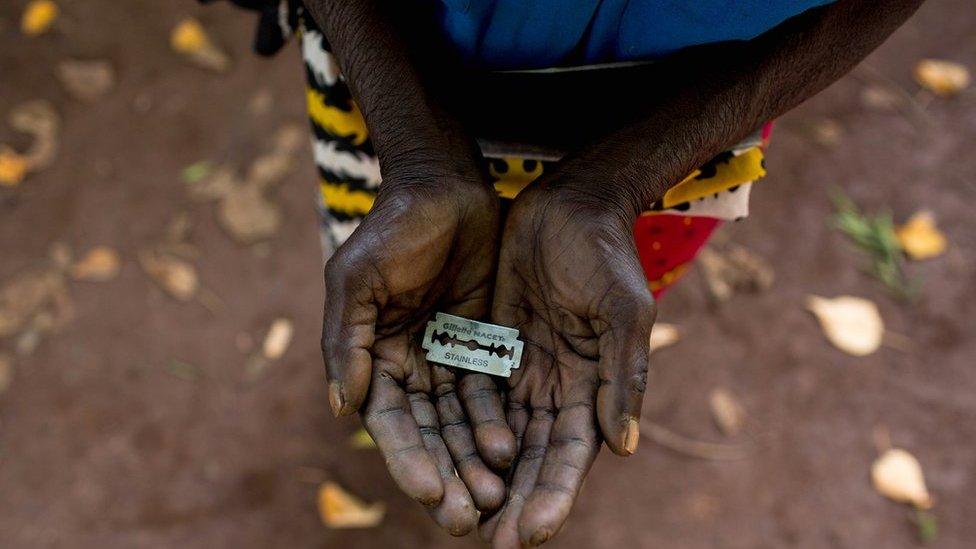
(412, 256)
(569, 280)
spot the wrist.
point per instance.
(634, 167)
(555, 200)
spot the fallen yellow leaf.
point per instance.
(190, 39)
(942, 77)
(726, 410)
(920, 238)
(898, 475)
(38, 17)
(13, 167)
(278, 339)
(340, 509)
(188, 36)
(99, 265)
(663, 335)
(852, 324)
(360, 440)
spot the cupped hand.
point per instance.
(569, 279)
(428, 245)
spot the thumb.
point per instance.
(348, 333)
(624, 348)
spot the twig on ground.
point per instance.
(688, 446)
(909, 105)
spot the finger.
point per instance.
(487, 489)
(573, 447)
(624, 349)
(456, 512)
(348, 333)
(389, 420)
(503, 531)
(492, 435)
(518, 420)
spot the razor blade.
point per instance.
(478, 346)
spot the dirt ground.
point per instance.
(101, 445)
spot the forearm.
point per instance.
(714, 101)
(409, 132)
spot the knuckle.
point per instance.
(645, 308)
(535, 452)
(637, 383)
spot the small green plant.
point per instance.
(928, 527)
(875, 236)
(183, 370)
(197, 171)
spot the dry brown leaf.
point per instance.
(248, 216)
(278, 339)
(828, 132)
(881, 98)
(664, 335)
(86, 80)
(13, 167)
(176, 238)
(218, 184)
(920, 238)
(100, 264)
(852, 324)
(191, 40)
(39, 119)
(177, 277)
(728, 413)
(26, 296)
(60, 255)
(896, 474)
(57, 312)
(340, 509)
(38, 17)
(261, 102)
(942, 77)
(270, 168)
(6, 372)
(736, 269)
(751, 272)
(178, 229)
(245, 212)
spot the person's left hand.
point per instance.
(569, 279)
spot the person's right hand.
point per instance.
(428, 245)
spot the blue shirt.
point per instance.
(512, 34)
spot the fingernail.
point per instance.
(540, 536)
(632, 436)
(335, 397)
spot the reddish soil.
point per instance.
(102, 446)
